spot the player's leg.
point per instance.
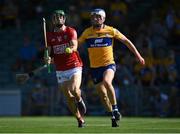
(103, 96)
(106, 90)
(102, 91)
(75, 83)
(75, 75)
(70, 99)
(107, 81)
(64, 83)
(74, 86)
(71, 102)
(98, 76)
(103, 77)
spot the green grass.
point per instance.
(93, 125)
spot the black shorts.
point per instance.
(97, 73)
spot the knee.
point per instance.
(68, 96)
(76, 92)
(107, 83)
(66, 93)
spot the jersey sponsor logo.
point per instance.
(99, 45)
(60, 49)
(99, 42)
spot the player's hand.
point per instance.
(68, 50)
(141, 60)
(47, 60)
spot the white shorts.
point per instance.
(63, 76)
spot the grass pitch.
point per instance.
(93, 125)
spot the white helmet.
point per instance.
(99, 12)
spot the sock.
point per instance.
(114, 108)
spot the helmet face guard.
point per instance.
(98, 17)
(58, 18)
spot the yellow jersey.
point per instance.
(100, 45)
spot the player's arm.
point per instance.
(73, 40)
(130, 45)
(82, 38)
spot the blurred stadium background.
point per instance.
(153, 26)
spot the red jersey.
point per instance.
(58, 41)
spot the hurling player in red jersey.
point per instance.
(68, 64)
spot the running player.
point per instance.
(99, 40)
(68, 63)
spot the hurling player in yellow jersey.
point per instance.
(99, 40)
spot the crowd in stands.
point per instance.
(155, 32)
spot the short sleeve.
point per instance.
(117, 34)
(72, 34)
(82, 38)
